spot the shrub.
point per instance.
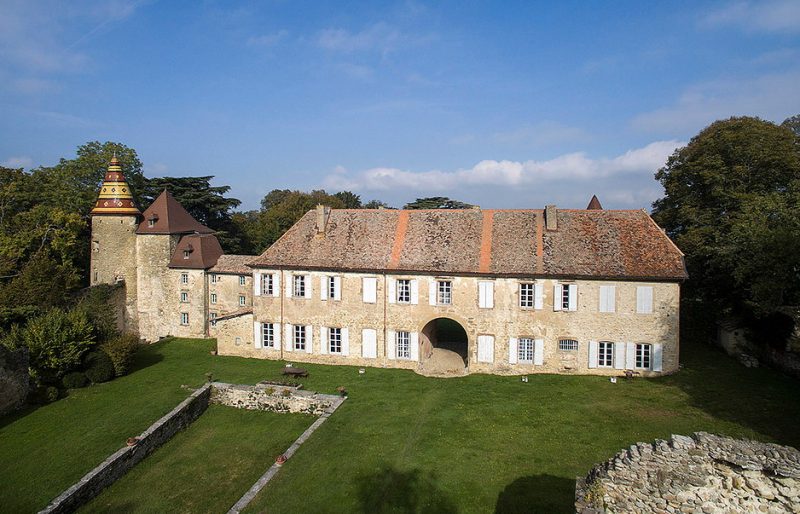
(74, 380)
(99, 367)
(98, 302)
(121, 350)
(42, 395)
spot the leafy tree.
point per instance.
(273, 198)
(349, 199)
(376, 204)
(731, 204)
(437, 202)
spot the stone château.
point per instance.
(588, 291)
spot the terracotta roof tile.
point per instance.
(596, 243)
(236, 264)
(168, 216)
(196, 251)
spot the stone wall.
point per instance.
(227, 290)
(124, 459)
(505, 320)
(273, 398)
(14, 380)
(703, 473)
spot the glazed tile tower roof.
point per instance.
(167, 216)
(115, 198)
(235, 264)
(609, 244)
(196, 251)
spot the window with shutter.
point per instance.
(605, 355)
(369, 286)
(644, 300)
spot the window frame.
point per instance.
(184, 319)
(605, 354)
(268, 335)
(184, 278)
(403, 290)
(565, 297)
(184, 296)
(527, 299)
(335, 336)
(331, 286)
(299, 339)
(242, 300)
(214, 278)
(563, 347)
(525, 349)
(643, 354)
(299, 286)
(242, 280)
(213, 298)
(267, 284)
(402, 344)
(212, 319)
(444, 292)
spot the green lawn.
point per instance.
(215, 461)
(403, 442)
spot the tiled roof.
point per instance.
(203, 252)
(591, 244)
(168, 216)
(233, 264)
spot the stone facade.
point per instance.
(228, 292)
(114, 259)
(703, 473)
(505, 321)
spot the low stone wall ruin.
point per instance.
(273, 398)
(703, 473)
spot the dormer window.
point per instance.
(151, 221)
(186, 254)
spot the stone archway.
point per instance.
(444, 347)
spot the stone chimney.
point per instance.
(323, 213)
(551, 217)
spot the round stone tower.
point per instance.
(113, 256)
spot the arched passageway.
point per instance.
(444, 346)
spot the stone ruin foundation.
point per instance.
(701, 474)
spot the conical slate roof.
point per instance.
(115, 196)
(167, 216)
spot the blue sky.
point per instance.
(501, 104)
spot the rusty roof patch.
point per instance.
(235, 264)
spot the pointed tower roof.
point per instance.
(167, 216)
(594, 204)
(115, 198)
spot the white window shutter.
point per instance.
(432, 292)
(604, 299)
(307, 281)
(323, 288)
(486, 295)
(414, 292)
(630, 355)
(309, 339)
(392, 290)
(644, 299)
(557, 297)
(369, 286)
(369, 343)
(390, 344)
(538, 352)
(256, 284)
(289, 344)
(323, 340)
(619, 355)
(276, 284)
(573, 297)
(413, 346)
(538, 292)
(512, 350)
(482, 295)
(592, 354)
(257, 338)
(276, 334)
(345, 341)
(485, 348)
(612, 299)
(657, 357)
(289, 284)
(337, 288)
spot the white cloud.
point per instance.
(767, 16)
(267, 40)
(772, 97)
(22, 161)
(379, 37)
(573, 167)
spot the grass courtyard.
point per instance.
(400, 443)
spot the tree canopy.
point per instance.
(437, 202)
(731, 204)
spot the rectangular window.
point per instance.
(267, 285)
(213, 298)
(568, 345)
(299, 337)
(299, 286)
(213, 318)
(525, 350)
(186, 254)
(242, 280)
(565, 291)
(403, 290)
(214, 278)
(605, 354)
(643, 353)
(403, 345)
(444, 292)
(184, 278)
(335, 340)
(242, 300)
(333, 294)
(151, 223)
(526, 295)
(184, 318)
(268, 335)
(184, 297)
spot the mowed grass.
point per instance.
(402, 442)
(208, 466)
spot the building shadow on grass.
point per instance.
(537, 494)
(144, 358)
(395, 491)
